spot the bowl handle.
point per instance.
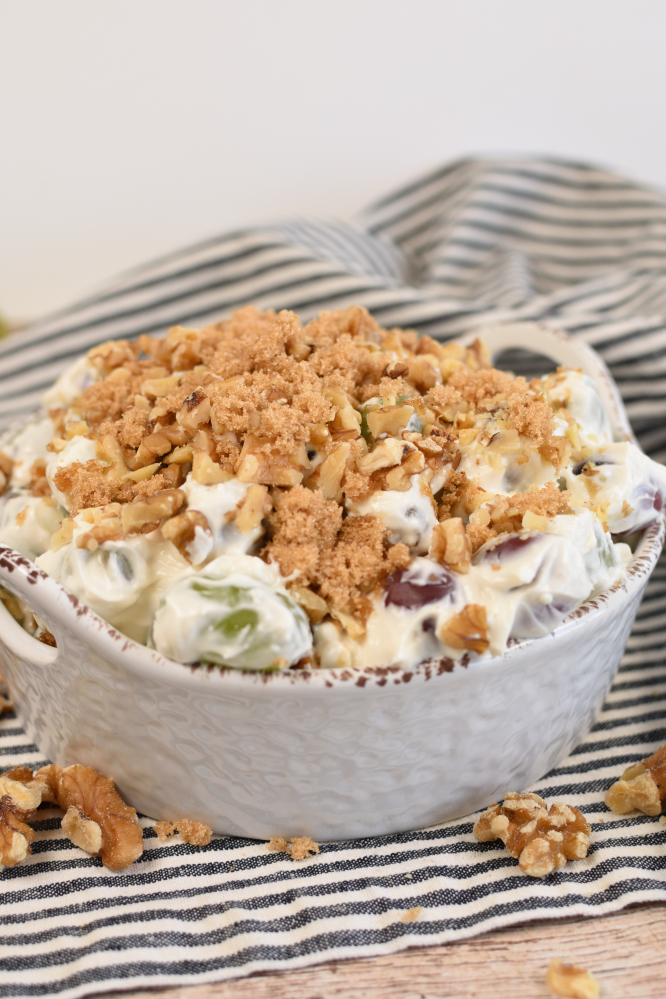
(43, 595)
(560, 347)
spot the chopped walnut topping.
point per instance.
(495, 514)
(148, 514)
(298, 848)
(642, 786)
(540, 838)
(192, 832)
(96, 818)
(568, 980)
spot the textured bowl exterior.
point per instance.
(329, 754)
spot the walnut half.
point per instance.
(540, 838)
(96, 818)
(642, 786)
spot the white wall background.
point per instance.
(130, 127)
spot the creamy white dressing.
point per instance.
(604, 559)
(621, 484)
(528, 583)
(26, 446)
(578, 394)
(410, 516)
(236, 612)
(121, 580)
(407, 635)
(216, 503)
(27, 523)
(507, 471)
(71, 383)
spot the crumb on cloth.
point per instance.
(412, 914)
(571, 981)
(192, 832)
(298, 848)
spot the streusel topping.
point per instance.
(263, 493)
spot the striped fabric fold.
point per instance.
(475, 242)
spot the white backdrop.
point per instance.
(131, 127)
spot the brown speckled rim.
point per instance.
(62, 610)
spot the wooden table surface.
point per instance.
(625, 952)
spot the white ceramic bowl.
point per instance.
(329, 754)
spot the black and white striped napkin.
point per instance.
(476, 241)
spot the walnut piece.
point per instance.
(466, 630)
(256, 505)
(450, 545)
(181, 530)
(192, 832)
(327, 477)
(206, 471)
(298, 848)
(18, 803)
(568, 980)
(386, 454)
(6, 465)
(314, 606)
(148, 514)
(390, 420)
(540, 838)
(90, 800)
(642, 786)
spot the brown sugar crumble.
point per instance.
(192, 832)
(298, 848)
